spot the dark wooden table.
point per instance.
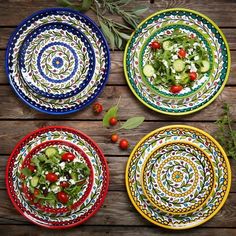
(117, 216)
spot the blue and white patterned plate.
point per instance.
(57, 61)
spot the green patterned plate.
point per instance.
(178, 160)
(204, 90)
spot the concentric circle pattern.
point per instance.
(90, 200)
(178, 177)
(57, 61)
(204, 90)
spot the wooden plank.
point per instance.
(12, 131)
(222, 12)
(116, 76)
(14, 108)
(118, 210)
(117, 166)
(83, 230)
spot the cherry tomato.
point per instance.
(32, 168)
(62, 197)
(97, 108)
(182, 53)
(113, 121)
(192, 76)
(114, 138)
(124, 144)
(67, 156)
(176, 88)
(155, 45)
(64, 184)
(51, 177)
(36, 192)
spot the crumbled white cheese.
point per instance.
(62, 165)
(193, 68)
(72, 181)
(174, 57)
(56, 189)
(196, 58)
(70, 171)
(165, 63)
(76, 160)
(46, 172)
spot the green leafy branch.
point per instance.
(225, 133)
(116, 33)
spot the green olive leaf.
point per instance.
(108, 33)
(64, 3)
(112, 112)
(133, 122)
(124, 36)
(139, 10)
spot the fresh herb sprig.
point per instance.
(225, 134)
(115, 32)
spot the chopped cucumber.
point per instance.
(148, 70)
(167, 45)
(179, 65)
(34, 181)
(55, 188)
(205, 66)
(74, 176)
(51, 151)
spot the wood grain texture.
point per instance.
(84, 230)
(13, 108)
(118, 210)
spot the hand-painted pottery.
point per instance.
(178, 177)
(91, 197)
(83, 194)
(57, 61)
(138, 52)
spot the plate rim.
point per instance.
(14, 34)
(191, 128)
(73, 130)
(218, 92)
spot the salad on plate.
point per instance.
(55, 176)
(178, 60)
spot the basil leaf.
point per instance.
(133, 122)
(112, 112)
(26, 171)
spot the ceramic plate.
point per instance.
(90, 198)
(138, 53)
(178, 177)
(57, 61)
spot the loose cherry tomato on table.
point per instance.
(176, 88)
(113, 121)
(64, 184)
(114, 138)
(51, 177)
(97, 108)
(155, 45)
(192, 76)
(124, 144)
(182, 53)
(67, 156)
(63, 197)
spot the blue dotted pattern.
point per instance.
(62, 12)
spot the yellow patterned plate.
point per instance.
(178, 177)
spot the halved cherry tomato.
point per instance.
(64, 184)
(182, 53)
(32, 168)
(51, 177)
(68, 156)
(63, 197)
(36, 192)
(155, 45)
(176, 88)
(192, 76)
